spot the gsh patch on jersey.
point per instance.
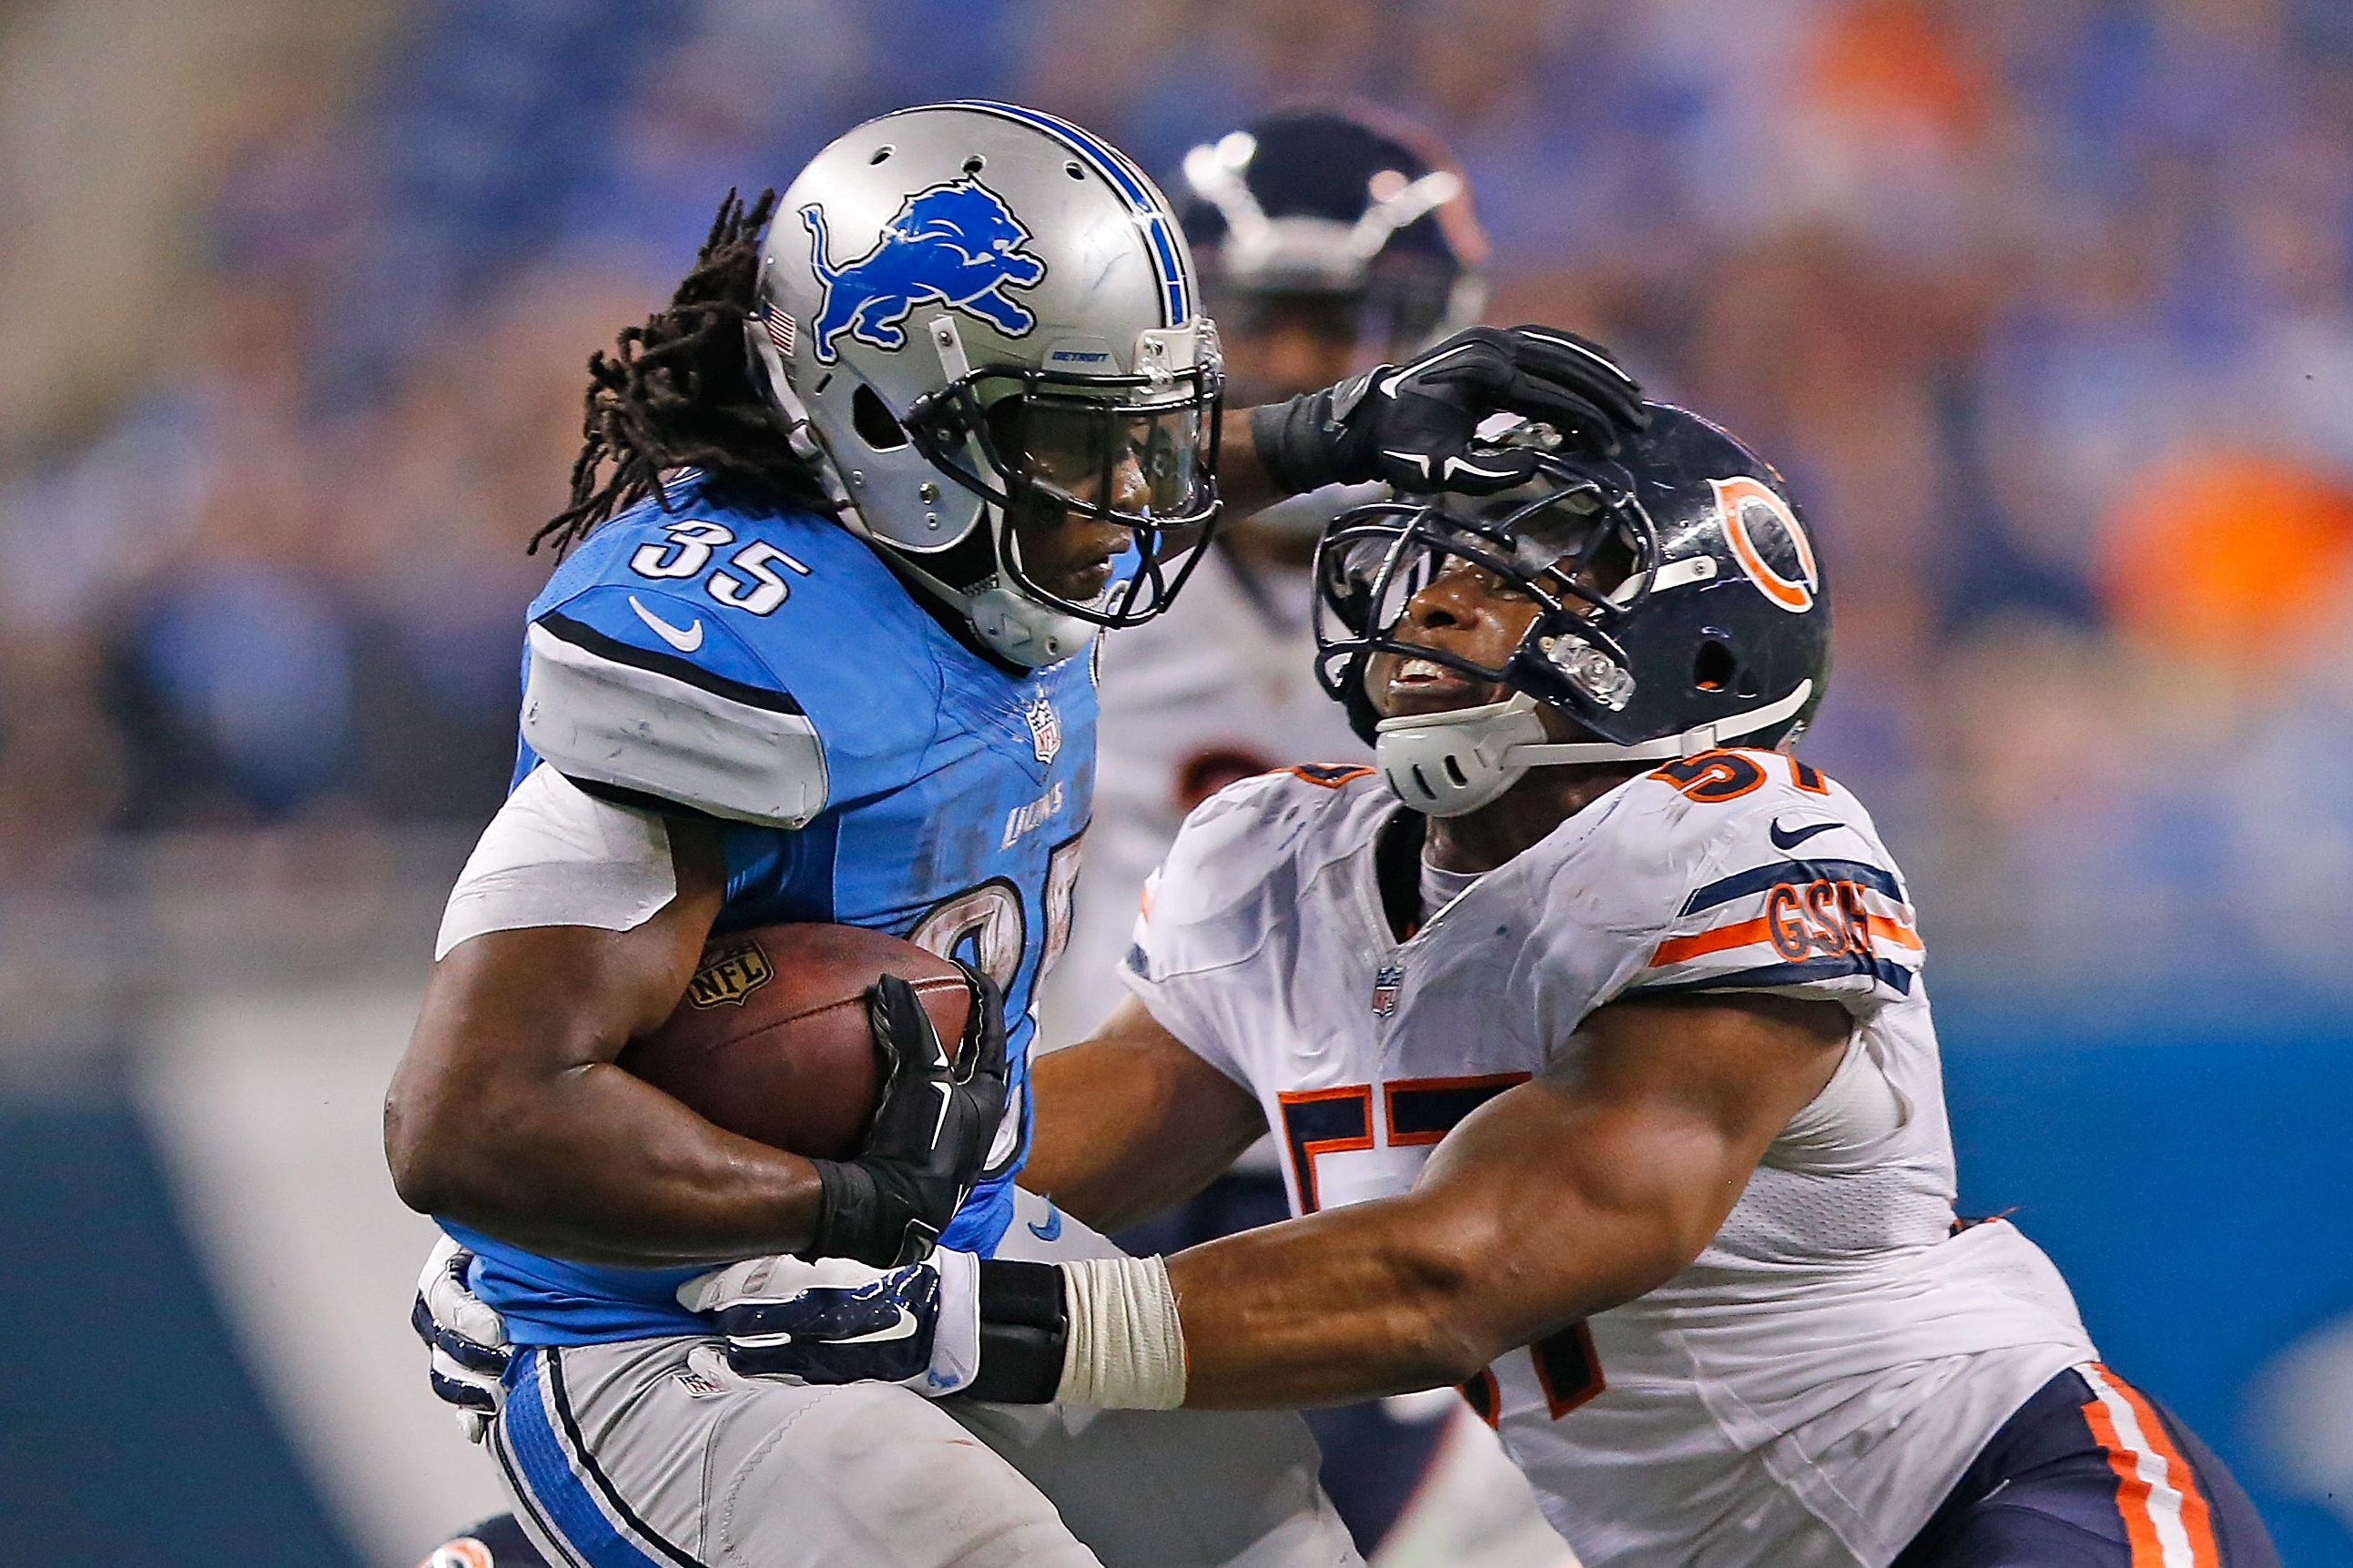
(957, 243)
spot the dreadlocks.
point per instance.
(677, 392)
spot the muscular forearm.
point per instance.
(507, 1115)
(1330, 1309)
(595, 1166)
(1425, 1289)
(1132, 1124)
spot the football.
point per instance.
(771, 1040)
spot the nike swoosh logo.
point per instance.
(1052, 1229)
(1395, 379)
(685, 641)
(903, 1329)
(1787, 841)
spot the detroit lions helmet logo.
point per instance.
(957, 243)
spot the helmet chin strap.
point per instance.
(1446, 764)
(1008, 623)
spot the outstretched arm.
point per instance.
(1573, 1193)
(1412, 424)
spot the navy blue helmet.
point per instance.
(1315, 203)
(1680, 607)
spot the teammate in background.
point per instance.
(1606, 1083)
(851, 513)
(1328, 242)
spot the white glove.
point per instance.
(838, 1320)
(469, 1340)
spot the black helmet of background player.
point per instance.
(1333, 228)
(1681, 608)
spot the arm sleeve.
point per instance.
(716, 732)
(555, 855)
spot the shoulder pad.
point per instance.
(1254, 838)
(705, 732)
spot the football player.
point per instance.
(1591, 1022)
(1327, 243)
(850, 513)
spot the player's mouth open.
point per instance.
(1426, 685)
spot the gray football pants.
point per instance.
(654, 1454)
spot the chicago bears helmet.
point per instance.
(1680, 602)
(950, 295)
(1345, 206)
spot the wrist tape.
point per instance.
(1126, 1348)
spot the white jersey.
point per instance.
(1808, 1390)
(1221, 687)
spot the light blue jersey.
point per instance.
(766, 669)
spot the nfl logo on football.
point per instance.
(1385, 986)
(1045, 729)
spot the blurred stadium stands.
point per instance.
(2045, 305)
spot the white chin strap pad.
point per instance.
(1444, 764)
(1024, 632)
(1447, 765)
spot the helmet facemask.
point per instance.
(1582, 550)
(1580, 544)
(1137, 452)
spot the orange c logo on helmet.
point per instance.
(1745, 504)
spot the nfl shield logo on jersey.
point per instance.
(1387, 984)
(1045, 727)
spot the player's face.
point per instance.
(1069, 553)
(1478, 614)
(1467, 611)
(1140, 466)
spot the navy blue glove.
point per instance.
(835, 1321)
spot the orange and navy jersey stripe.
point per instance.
(2093, 1461)
(1845, 923)
(2100, 1465)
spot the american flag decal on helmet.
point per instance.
(781, 330)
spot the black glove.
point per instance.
(931, 1134)
(1410, 425)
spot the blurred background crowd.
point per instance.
(2042, 305)
(2045, 307)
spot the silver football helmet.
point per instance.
(973, 314)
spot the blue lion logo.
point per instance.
(956, 243)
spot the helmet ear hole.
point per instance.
(1714, 668)
(875, 424)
